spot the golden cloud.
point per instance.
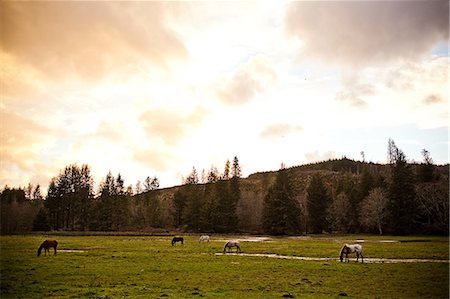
(89, 40)
(280, 130)
(356, 34)
(22, 139)
(249, 80)
(170, 126)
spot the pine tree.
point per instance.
(179, 203)
(401, 197)
(40, 222)
(426, 169)
(318, 203)
(228, 194)
(281, 212)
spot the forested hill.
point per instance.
(340, 195)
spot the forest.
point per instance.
(340, 195)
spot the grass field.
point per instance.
(149, 267)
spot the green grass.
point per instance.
(149, 267)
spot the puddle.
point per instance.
(70, 250)
(247, 239)
(319, 259)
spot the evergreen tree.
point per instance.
(152, 209)
(226, 219)
(120, 206)
(228, 194)
(426, 169)
(208, 210)
(192, 177)
(226, 171)
(318, 200)
(69, 198)
(194, 202)
(236, 170)
(151, 184)
(54, 204)
(401, 197)
(281, 212)
(106, 203)
(213, 175)
(179, 203)
(40, 222)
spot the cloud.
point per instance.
(116, 132)
(155, 158)
(316, 156)
(432, 99)
(22, 141)
(249, 80)
(354, 93)
(89, 40)
(280, 130)
(355, 34)
(169, 126)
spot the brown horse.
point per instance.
(47, 244)
(177, 239)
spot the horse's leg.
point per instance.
(54, 249)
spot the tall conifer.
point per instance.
(281, 212)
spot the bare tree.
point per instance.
(373, 209)
(433, 204)
(339, 213)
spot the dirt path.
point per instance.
(366, 260)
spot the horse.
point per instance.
(231, 244)
(47, 244)
(203, 238)
(177, 239)
(357, 248)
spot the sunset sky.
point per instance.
(155, 88)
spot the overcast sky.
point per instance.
(155, 88)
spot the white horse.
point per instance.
(203, 238)
(356, 248)
(231, 244)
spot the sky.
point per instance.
(156, 88)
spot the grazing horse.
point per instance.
(177, 239)
(231, 244)
(357, 248)
(203, 238)
(47, 244)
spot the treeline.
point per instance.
(400, 198)
(212, 206)
(72, 203)
(333, 196)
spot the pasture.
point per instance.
(268, 267)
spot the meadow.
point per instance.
(149, 267)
